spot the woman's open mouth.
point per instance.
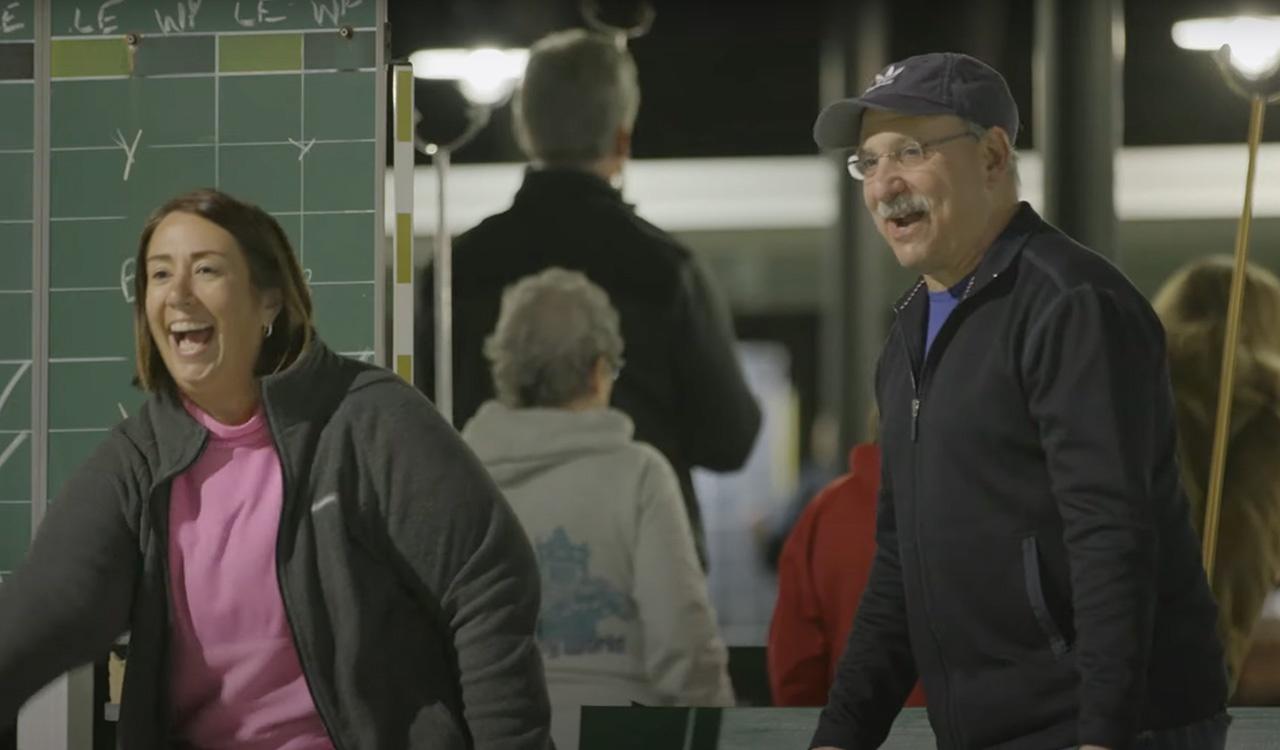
(190, 338)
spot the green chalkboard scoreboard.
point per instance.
(109, 108)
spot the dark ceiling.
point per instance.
(740, 78)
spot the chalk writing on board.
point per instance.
(9, 22)
(303, 148)
(332, 11)
(13, 446)
(4, 397)
(13, 383)
(184, 19)
(129, 151)
(106, 20)
(127, 270)
(249, 18)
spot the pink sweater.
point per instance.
(236, 681)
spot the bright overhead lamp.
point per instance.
(1254, 41)
(485, 75)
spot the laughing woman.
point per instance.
(304, 552)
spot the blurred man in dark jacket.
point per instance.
(682, 385)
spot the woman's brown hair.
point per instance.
(272, 265)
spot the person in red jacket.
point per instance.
(823, 568)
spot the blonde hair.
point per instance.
(1192, 305)
(272, 265)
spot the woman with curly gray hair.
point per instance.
(557, 343)
(625, 615)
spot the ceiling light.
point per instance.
(485, 75)
(1254, 40)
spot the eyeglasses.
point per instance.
(862, 166)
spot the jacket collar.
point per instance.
(565, 183)
(307, 388)
(515, 443)
(1002, 253)
(290, 398)
(179, 438)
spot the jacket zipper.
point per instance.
(924, 588)
(915, 401)
(915, 435)
(160, 527)
(322, 707)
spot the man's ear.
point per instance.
(997, 153)
(622, 143)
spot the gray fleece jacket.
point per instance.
(625, 614)
(411, 591)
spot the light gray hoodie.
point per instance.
(625, 614)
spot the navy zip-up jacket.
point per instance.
(1036, 562)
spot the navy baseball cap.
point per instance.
(939, 83)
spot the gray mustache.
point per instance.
(903, 205)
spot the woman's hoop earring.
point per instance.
(266, 331)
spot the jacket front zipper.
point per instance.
(160, 527)
(917, 398)
(320, 701)
(919, 554)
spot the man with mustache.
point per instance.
(1035, 563)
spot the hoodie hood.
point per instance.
(517, 444)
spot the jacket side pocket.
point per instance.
(1035, 594)
(438, 728)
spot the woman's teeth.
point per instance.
(191, 339)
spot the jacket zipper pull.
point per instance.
(915, 418)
